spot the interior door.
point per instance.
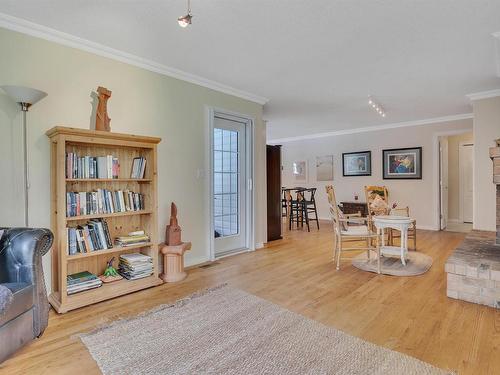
(230, 185)
(466, 183)
(443, 181)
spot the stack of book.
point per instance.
(78, 282)
(138, 167)
(132, 239)
(102, 201)
(92, 236)
(135, 266)
(91, 166)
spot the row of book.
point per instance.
(103, 201)
(135, 266)
(92, 236)
(138, 167)
(92, 166)
(78, 282)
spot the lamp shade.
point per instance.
(22, 94)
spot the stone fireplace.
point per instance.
(473, 269)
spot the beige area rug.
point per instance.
(228, 331)
(416, 264)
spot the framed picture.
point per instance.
(324, 168)
(299, 170)
(357, 163)
(402, 163)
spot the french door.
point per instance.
(230, 184)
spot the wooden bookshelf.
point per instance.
(98, 143)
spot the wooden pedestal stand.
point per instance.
(173, 262)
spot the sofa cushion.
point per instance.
(22, 301)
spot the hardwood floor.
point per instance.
(411, 315)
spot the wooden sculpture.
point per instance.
(173, 233)
(173, 250)
(102, 119)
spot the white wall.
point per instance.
(142, 103)
(486, 130)
(419, 195)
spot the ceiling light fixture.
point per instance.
(186, 20)
(376, 106)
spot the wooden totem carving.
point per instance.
(173, 233)
(102, 119)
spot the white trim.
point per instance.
(484, 94)
(463, 116)
(30, 28)
(453, 221)
(259, 245)
(460, 179)
(190, 262)
(210, 113)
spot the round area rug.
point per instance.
(416, 264)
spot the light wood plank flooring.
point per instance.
(411, 315)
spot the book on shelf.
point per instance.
(92, 236)
(80, 281)
(103, 201)
(135, 266)
(107, 167)
(138, 168)
(132, 239)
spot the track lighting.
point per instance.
(376, 106)
(186, 20)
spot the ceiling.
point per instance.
(316, 60)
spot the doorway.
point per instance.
(456, 182)
(231, 192)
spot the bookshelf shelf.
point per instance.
(138, 180)
(116, 249)
(125, 148)
(104, 216)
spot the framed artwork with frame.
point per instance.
(402, 163)
(357, 163)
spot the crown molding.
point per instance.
(30, 28)
(374, 128)
(484, 94)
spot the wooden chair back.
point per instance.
(334, 209)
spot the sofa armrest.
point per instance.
(21, 251)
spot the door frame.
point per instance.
(249, 121)
(461, 177)
(443, 160)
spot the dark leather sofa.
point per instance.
(26, 316)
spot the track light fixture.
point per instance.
(186, 20)
(376, 106)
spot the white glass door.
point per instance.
(229, 185)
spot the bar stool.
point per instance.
(309, 203)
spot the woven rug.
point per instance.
(416, 264)
(228, 331)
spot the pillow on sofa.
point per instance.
(5, 299)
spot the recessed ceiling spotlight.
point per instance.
(186, 20)
(376, 106)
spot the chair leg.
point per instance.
(304, 209)
(316, 213)
(368, 249)
(339, 251)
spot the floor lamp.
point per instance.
(25, 97)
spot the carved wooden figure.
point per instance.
(173, 233)
(102, 119)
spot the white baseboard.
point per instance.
(427, 227)
(259, 245)
(190, 262)
(453, 221)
